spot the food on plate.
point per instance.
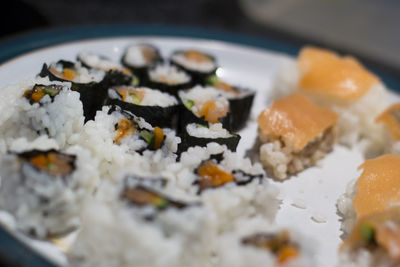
(198, 64)
(204, 105)
(342, 84)
(44, 189)
(374, 241)
(140, 57)
(377, 189)
(293, 134)
(200, 135)
(159, 109)
(240, 100)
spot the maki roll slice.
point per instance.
(140, 57)
(43, 189)
(157, 108)
(374, 241)
(376, 190)
(293, 134)
(87, 82)
(197, 63)
(240, 101)
(150, 222)
(200, 135)
(221, 179)
(204, 105)
(168, 78)
(116, 74)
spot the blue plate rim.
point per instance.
(13, 249)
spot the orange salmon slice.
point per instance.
(296, 120)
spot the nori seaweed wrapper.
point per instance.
(186, 117)
(240, 104)
(198, 77)
(141, 72)
(190, 141)
(155, 115)
(92, 94)
(240, 108)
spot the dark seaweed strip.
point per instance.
(240, 108)
(250, 177)
(166, 88)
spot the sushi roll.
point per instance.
(140, 57)
(87, 82)
(200, 135)
(197, 63)
(42, 107)
(120, 140)
(116, 74)
(293, 134)
(376, 190)
(204, 105)
(226, 183)
(167, 78)
(158, 109)
(374, 241)
(240, 101)
(153, 229)
(340, 83)
(43, 189)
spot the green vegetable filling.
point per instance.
(149, 137)
(212, 80)
(135, 99)
(189, 104)
(367, 232)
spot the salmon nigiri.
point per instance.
(295, 133)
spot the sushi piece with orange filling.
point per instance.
(374, 241)
(377, 189)
(293, 134)
(340, 83)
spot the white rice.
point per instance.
(151, 98)
(173, 238)
(356, 118)
(134, 55)
(171, 75)
(96, 61)
(206, 66)
(84, 75)
(346, 208)
(41, 204)
(365, 258)
(61, 119)
(215, 130)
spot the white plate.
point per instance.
(318, 187)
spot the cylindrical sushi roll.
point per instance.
(374, 241)
(375, 190)
(157, 108)
(200, 135)
(120, 139)
(44, 189)
(256, 243)
(293, 134)
(167, 78)
(204, 105)
(342, 84)
(140, 224)
(226, 183)
(198, 64)
(390, 118)
(140, 57)
(240, 101)
(42, 107)
(87, 82)
(116, 74)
